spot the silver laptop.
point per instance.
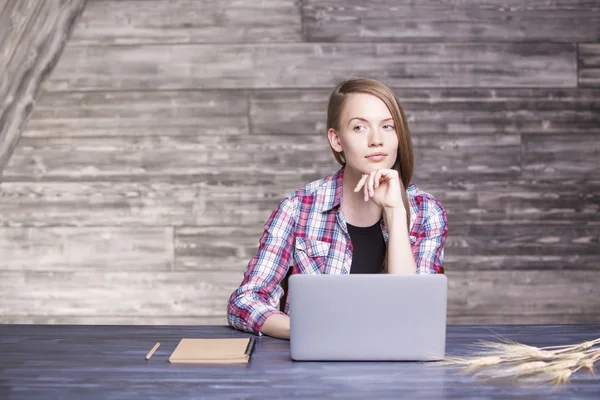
(367, 317)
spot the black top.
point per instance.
(369, 249)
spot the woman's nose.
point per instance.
(375, 138)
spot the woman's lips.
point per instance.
(376, 157)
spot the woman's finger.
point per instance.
(372, 183)
(361, 183)
(378, 178)
(368, 187)
(390, 174)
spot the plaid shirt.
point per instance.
(309, 227)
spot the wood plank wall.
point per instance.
(32, 36)
(169, 130)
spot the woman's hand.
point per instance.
(384, 187)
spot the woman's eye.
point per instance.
(388, 126)
(359, 128)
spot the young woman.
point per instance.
(366, 218)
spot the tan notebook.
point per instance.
(214, 351)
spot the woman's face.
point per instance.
(367, 134)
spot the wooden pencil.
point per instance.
(152, 351)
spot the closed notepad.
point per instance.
(217, 351)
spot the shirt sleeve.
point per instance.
(258, 296)
(429, 246)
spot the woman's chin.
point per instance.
(371, 167)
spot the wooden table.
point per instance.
(107, 362)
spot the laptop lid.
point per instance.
(368, 317)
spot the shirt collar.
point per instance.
(331, 192)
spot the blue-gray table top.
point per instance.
(83, 361)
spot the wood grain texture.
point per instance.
(170, 129)
(188, 21)
(476, 111)
(134, 204)
(456, 259)
(48, 361)
(18, 19)
(441, 157)
(541, 241)
(589, 64)
(302, 111)
(485, 294)
(15, 17)
(146, 113)
(189, 157)
(471, 246)
(299, 111)
(203, 204)
(180, 158)
(565, 199)
(95, 249)
(306, 65)
(117, 294)
(512, 202)
(488, 294)
(40, 30)
(569, 155)
(216, 248)
(455, 20)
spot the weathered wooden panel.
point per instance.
(136, 204)
(452, 110)
(36, 37)
(116, 294)
(183, 157)
(562, 155)
(471, 245)
(442, 157)
(289, 111)
(438, 157)
(214, 204)
(92, 248)
(524, 239)
(306, 65)
(127, 170)
(574, 201)
(571, 318)
(215, 247)
(48, 362)
(519, 201)
(589, 64)
(188, 21)
(149, 113)
(18, 41)
(303, 111)
(508, 261)
(454, 20)
(15, 17)
(520, 295)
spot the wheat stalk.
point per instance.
(510, 359)
(577, 347)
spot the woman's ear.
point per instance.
(334, 140)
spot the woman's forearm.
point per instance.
(400, 259)
(277, 325)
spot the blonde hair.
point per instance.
(405, 161)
